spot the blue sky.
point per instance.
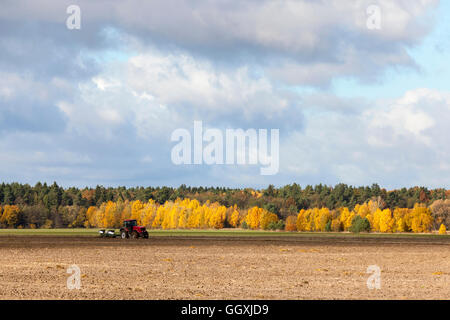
(98, 105)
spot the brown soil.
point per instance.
(34, 267)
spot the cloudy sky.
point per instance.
(353, 104)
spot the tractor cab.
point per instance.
(129, 224)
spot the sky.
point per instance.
(98, 105)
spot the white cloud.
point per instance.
(155, 93)
(104, 84)
(14, 85)
(179, 79)
(302, 42)
(412, 116)
(403, 142)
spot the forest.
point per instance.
(314, 208)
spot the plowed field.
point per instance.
(232, 267)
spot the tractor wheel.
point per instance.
(134, 235)
(124, 235)
(146, 235)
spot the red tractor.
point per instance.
(130, 229)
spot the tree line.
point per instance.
(52, 205)
(191, 214)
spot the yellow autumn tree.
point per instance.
(170, 218)
(322, 219)
(421, 219)
(159, 217)
(182, 220)
(111, 216)
(136, 207)
(374, 219)
(10, 216)
(346, 217)
(386, 221)
(252, 218)
(90, 217)
(234, 219)
(336, 225)
(291, 223)
(401, 220)
(266, 218)
(148, 213)
(362, 210)
(301, 220)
